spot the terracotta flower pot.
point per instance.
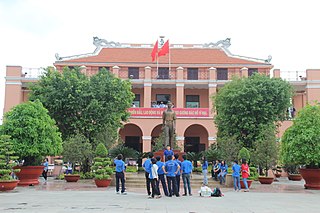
(102, 183)
(277, 175)
(6, 185)
(312, 178)
(72, 178)
(265, 180)
(295, 177)
(242, 184)
(29, 175)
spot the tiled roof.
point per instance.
(178, 56)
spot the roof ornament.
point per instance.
(268, 59)
(222, 43)
(104, 43)
(58, 57)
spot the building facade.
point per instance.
(188, 77)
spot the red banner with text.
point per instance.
(180, 112)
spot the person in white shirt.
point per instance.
(153, 176)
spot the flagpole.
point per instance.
(157, 61)
(169, 59)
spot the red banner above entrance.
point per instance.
(180, 112)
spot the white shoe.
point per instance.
(124, 193)
(118, 193)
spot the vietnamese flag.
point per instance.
(165, 49)
(154, 52)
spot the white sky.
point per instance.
(32, 31)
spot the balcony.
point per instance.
(32, 72)
(180, 112)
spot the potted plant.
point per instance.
(101, 167)
(77, 150)
(293, 172)
(7, 162)
(253, 176)
(266, 153)
(277, 170)
(34, 135)
(301, 145)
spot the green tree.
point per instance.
(244, 153)
(266, 150)
(83, 104)
(78, 149)
(33, 132)
(245, 105)
(300, 144)
(229, 148)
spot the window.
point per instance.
(133, 72)
(222, 74)
(71, 67)
(192, 73)
(107, 68)
(136, 100)
(192, 101)
(164, 98)
(251, 71)
(163, 73)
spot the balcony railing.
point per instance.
(293, 75)
(33, 72)
(180, 112)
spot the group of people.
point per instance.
(161, 105)
(168, 173)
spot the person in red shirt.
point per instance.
(245, 174)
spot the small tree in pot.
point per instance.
(301, 145)
(7, 161)
(34, 136)
(101, 166)
(266, 153)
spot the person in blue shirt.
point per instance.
(223, 172)
(161, 176)
(171, 168)
(205, 170)
(167, 152)
(176, 158)
(236, 175)
(186, 168)
(147, 168)
(120, 168)
(45, 169)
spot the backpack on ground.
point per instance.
(216, 192)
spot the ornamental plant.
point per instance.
(101, 167)
(244, 153)
(300, 143)
(33, 132)
(7, 158)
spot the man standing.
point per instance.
(167, 152)
(169, 124)
(147, 168)
(176, 158)
(171, 168)
(186, 168)
(120, 168)
(161, 176)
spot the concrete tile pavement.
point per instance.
(58, 196)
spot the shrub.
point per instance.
(244, 153)
(7, 158)
(101, 167)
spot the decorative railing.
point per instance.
(180, 112)
(293, 75)
(33, 72)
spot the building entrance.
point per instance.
(133, 142)
(192, 144)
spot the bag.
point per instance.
(216, 192)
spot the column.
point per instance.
(147, 95)
(244, 72)
(313, 85)
(179, 73)
(146, 143)
(276, 73)
(13, 87)
(212, 92)
(147, 73)
(212, 73)
(180, 142)
(180, 95)
(115, 71)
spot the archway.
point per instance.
(131, 134)
(195, 138)
(155, 134)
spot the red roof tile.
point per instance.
(178, 56)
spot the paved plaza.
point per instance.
(58, 196)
